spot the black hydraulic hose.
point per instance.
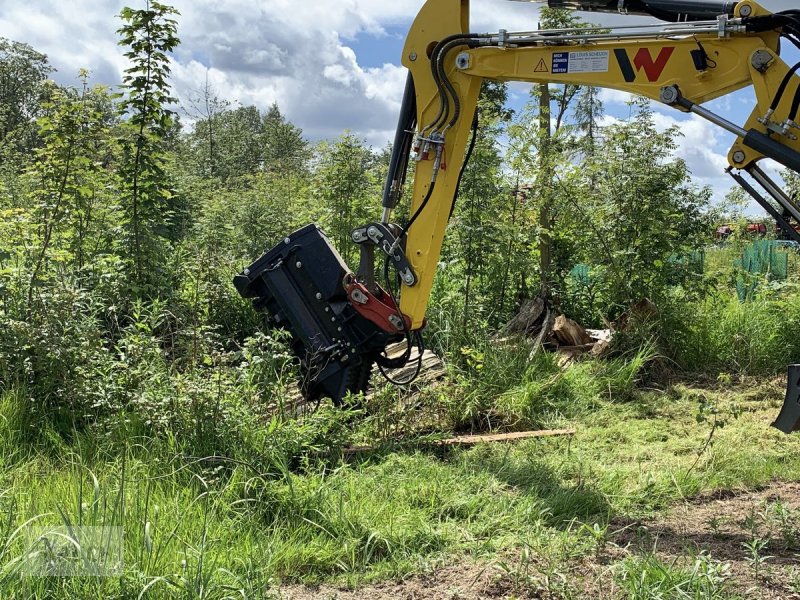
(398, 163)
(795, 105)
(782, 87)
(466, 161)
(446, 81)
(443, 102)
(417, 212)
(438, 57)
(790, 73)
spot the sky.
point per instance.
(330, 65)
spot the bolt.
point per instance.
(462, 61)
(338, 329)
(738, 157)
(287, 240)
(319, 296)
(298, 264)
(412, 57)
(333, 319)
(746, 10)
(669, 94)
(247, 271)
(327, 309)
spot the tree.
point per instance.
(284, 149)
(150, 35)
(638, 217)
(345, 182)
(205, 107)
(23, 72)
(481, 218)
(66, 174)
(587, 113)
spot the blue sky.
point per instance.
(703, 145)
(331, 65)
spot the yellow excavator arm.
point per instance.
(683, 65)
(341, 321)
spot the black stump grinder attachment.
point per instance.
(305, 287)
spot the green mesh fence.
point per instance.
(685, 265)
(762, 257)
(580, 275)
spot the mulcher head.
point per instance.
(300, 285)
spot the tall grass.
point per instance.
(721, 334)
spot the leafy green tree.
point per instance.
(205, 107)
(587, 113)
(23, 72)
(637, 216)
(480, 220)
(227, 144)
(285, 151)
(543, 139)
(67, 175)
(146, 194)
(347, 182)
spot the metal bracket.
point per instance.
(384, 237)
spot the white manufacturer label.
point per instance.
(581, 62)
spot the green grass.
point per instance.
(215, 529)
(648, 578)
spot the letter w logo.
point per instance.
(643, 60)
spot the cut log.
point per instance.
(600, 348)
(601, 335)
(471, 440)
(528, 321)
(568, 333)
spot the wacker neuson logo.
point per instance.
(643, 61)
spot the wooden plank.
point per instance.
(471, 440)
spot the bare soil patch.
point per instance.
(463, 581)
(721, 525)
(728, 526)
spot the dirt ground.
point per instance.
(730, 527)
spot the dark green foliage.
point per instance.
(146, 195)
(631, 212)
(479, 246)
(235, 143)
(67, 177)
(347, 181)
(23, 71)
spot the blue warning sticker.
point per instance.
(560, 62)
